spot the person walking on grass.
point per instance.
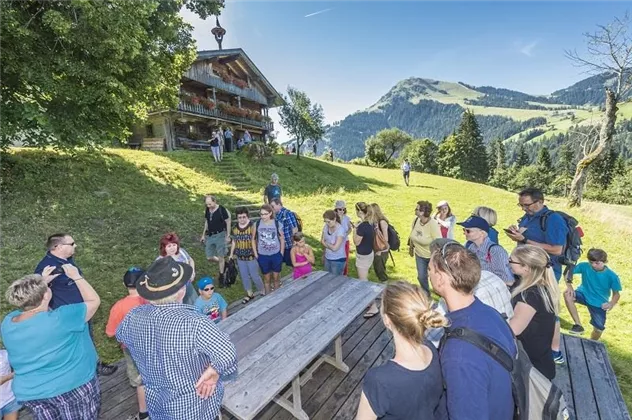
(536, 305)
(363, 235)
(406, 171)
(51, 350)
(244, 248)
(216, 233)
(598, 282)
(340, 208)
(302, 256)
(180, 353)
(546, 229)
(288, 221)
(333, 240)
(425, 230)
(273, 190)
(410, 385)
(446, 219)
(117, 313)
(380, 242)
(61, 251)
(270, 243)
(170, 247)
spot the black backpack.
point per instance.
(573, 249)
(230, 273)
(535, 396)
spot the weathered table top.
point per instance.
(279, 335)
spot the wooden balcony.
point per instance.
(216, 82)
(204, 111)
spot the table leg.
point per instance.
(337, 361)
(295, 407)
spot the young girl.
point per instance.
(302, 256)
(536, 305)
(333, 240)
(8, 405)
(410, 385)
(446, 219)
(269, 242)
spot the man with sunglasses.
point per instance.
(478, 387)
(61, 250)
(549, 235)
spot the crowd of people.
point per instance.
(178, 360)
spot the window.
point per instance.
(149, 130)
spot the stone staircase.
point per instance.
(236, 177)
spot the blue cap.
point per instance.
(204, 281)
(475, 222)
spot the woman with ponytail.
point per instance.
(536, 305)
(409, 386)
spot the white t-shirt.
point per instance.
(346, 225)
(6, 395)
(331, 239)
(405, 167)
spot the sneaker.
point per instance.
(104, 369)
(576, 330)
(558, 358)
(136, 417)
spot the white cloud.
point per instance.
(317, 13)
(527, 49)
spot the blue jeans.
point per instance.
(335, 267)
(422, 272)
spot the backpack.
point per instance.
(535, 396)
(393, 238)
(230, 273)
(299, 222)
(573, 248)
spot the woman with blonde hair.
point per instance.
(380, 242)
(446, 219)
(363, 235)
(491, 218)
(536, 305)
(410, 385)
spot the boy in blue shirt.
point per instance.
(210, 303)
(598, 280)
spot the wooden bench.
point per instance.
(278, 336)
(588, 381)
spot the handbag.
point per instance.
(379, 242)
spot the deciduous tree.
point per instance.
(302, 119)
(381, 147)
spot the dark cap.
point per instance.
(131, 277)
(163, 278)
(475, 222)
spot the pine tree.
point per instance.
(602, 170)
(522, 159)
(544, 161)
(471, 151)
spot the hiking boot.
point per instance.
(558, 358)
(104, 369)
(220, 281)
(576, 330)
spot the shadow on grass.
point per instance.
(115, 208)
(308, 176)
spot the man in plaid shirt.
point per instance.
(290, 227)
(181, 355)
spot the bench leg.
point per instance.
(295, 407)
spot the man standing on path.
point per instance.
(406, 171)
(273, 190)
(182, 357)
(548, 234)
(228, 135)
(61, 249)
(290, 227)
(216, 233)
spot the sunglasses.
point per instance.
(264, 214)
(443, 257)
(341, 209)
(208, 289)
(467, 230)
(514, 262)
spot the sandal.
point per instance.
(247, 299)
(369, 314)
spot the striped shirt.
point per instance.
(172, 345)
(493, 258)
(243, 242)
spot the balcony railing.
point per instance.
(207, 79)
(202, 110)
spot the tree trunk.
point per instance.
(605, 140)
(298, 149)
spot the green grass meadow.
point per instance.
(118, 203)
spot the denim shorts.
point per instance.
(270, 263)
(597, 315)
(215, 245)
(11, 407)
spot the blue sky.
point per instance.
(346, 55)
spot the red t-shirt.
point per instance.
(119, 310)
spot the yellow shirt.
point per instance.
(422, 235)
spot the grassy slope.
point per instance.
(118, 204)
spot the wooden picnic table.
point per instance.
(276, 337)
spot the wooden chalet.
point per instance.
(223, 88)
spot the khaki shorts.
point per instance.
(364, 261)
(216, 245)
(132, 372)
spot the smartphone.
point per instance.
(511, 232)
